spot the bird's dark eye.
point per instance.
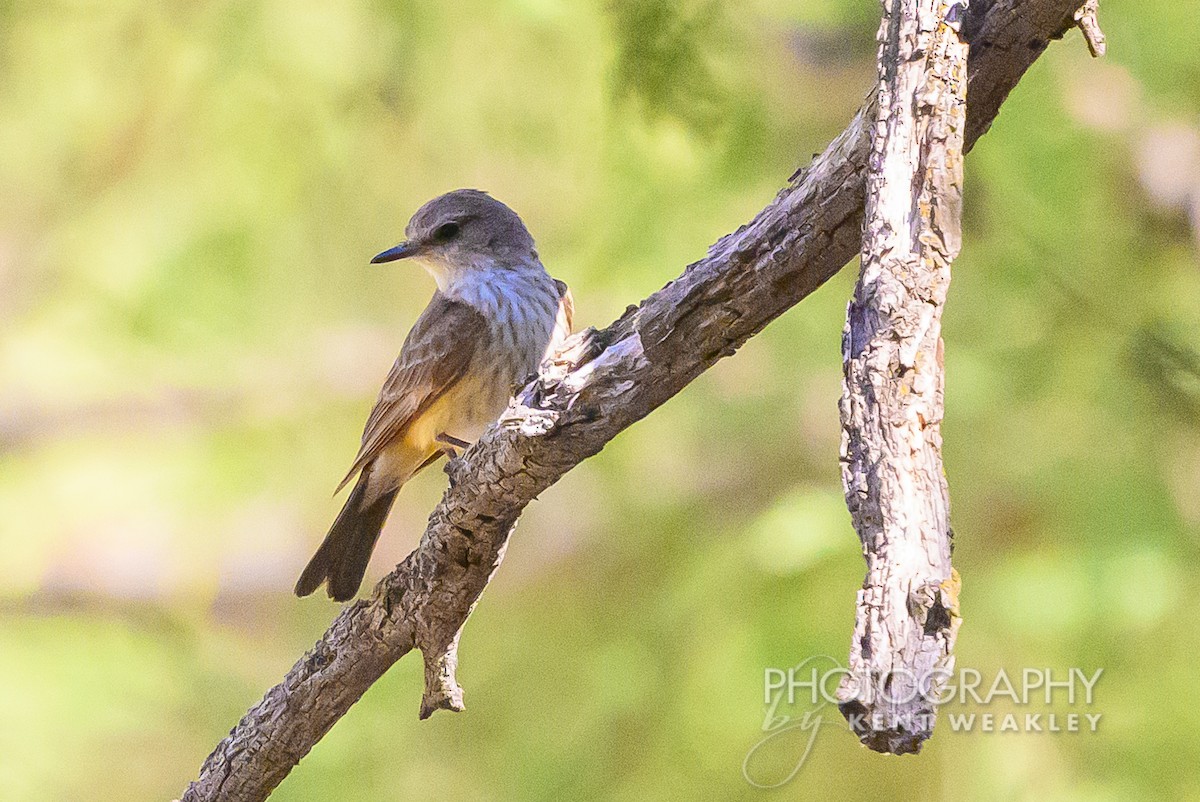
(446, 232)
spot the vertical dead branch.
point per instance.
(622, 374)
(891, 405)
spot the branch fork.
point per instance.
(583, 399)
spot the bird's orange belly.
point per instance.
(463, 413)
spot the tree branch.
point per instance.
(891, 406)
(600, 384)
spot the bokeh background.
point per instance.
(192, 337)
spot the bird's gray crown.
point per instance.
(470, 220)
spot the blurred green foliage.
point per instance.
(192, 337)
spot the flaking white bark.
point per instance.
(601, 384)
(892, 398)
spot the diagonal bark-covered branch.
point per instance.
(602, 383)
(891, 404)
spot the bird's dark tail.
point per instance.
(342, 558)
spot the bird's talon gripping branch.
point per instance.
(803, 237)
(452, 447)
(494, 316)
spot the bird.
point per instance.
(495, 316)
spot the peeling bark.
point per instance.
(892, 403)
(891, 406)
(1087, 18)
(600, 384)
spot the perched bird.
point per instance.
(495, 315)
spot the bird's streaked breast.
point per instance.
(521, 305)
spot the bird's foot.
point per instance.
(451, 445)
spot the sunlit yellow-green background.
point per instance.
(192, 336)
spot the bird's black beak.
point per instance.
(401, 251)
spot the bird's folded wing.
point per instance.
(435, 356)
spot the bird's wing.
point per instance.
(434, 358)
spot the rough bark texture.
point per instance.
(602, 383)
(892, 394)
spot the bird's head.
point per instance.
(462, 231)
